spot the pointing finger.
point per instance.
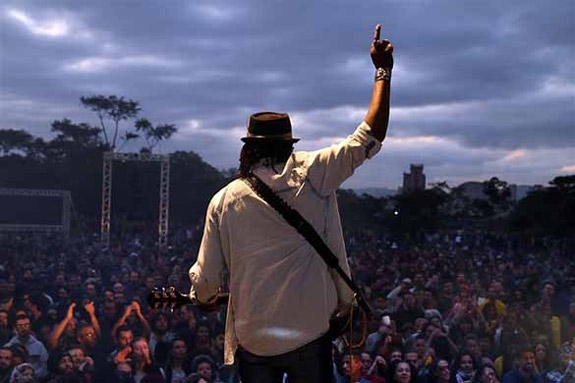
(376, 32)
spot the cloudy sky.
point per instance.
(479, 89)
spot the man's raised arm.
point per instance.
(377, 116)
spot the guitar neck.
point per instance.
(169, 298)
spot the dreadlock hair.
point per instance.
(272, 152)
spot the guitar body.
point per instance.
(340, 324)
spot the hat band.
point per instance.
(285, 136)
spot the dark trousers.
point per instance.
(311, 363)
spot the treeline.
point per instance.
(72, 160)
(544, 212)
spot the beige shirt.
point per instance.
(282, 294)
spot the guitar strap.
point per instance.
(295, 219)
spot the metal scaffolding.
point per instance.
(163, 219)
(63, 227)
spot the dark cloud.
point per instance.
(485, 75)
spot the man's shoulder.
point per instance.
(35, 342)
(233, 190)
(14, 340)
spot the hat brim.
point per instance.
(263, 138)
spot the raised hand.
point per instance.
(136, 308)
(380, 361)
(70, 312)
(381, 50)
(122, 356)
(128, 310)
(90, 308)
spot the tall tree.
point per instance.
(547, 211)
(114, 109)
(154, 134)
(13, 141)
(498, 193)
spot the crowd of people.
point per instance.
(456, 308)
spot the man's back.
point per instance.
(267, 258)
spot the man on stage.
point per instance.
(282, 293)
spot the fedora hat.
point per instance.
(269, 126)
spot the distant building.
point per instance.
(518, 192)
(415, 179)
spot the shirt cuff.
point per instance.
(363, 135)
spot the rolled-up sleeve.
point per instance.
(206, 273)
(330, 167)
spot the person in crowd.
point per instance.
(493, 308)
(108, 316)
(134, 318)
(565, 371)
(544, 360)
(348, 367)
(373, 369)
(384, 330)
(5, 330)
(64, 333)
(37, 355)
(402, 372)
(413, 359)
(61, 368)
(91, 291)
(524, 372)
(160, 338)
(123, 349)
(123, 373)
(462, 326)
(407, 309)
(227, 373)
(547, 324)
(133, 286)
(464, 368)
(186, 327)
(204, 340)
(395, 355)
(446, 297)
(83, 364)
(87, 337)
(204, 366)
(440, 372)
(37, 305)
(196, 378)
(470, 345)
(23, 373)
(108, 294)
(177, 367)
(568, 323)
(62, 301)
(19, 354)
(439, 341)
(6, 355)
(486, 374)
(144, 367)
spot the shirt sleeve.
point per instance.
(206, 273)
(43, 362)
(330, 167)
